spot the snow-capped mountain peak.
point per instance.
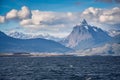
(82, 25)
(84, 22)
(85, 36)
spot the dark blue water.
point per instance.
(60, 68)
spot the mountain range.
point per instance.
(21, 35)
(84, 38)
(9, 44)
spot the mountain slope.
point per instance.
(86, 36)
(9, 44)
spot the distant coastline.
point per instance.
(24, 54)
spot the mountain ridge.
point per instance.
(9, 44)
(20, 35)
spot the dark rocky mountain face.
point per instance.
(86, 36)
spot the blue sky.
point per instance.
(53, 13)
(53, 5)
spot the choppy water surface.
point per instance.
(60, 68)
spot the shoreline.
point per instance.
(46, 55)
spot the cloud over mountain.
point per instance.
(60, 21)
(108, 16)
(49, 18)
(37, 17)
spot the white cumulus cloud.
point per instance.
(2, 19)
(50, 20)
(25, 22)
(11, 14)
(24, 13)
(108, 16)
(37, 17)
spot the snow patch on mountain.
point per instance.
(86, 27)
(95, 29)
(21, 35)
(114, 32)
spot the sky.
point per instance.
(57, 17)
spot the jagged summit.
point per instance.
(83, 25)
(84, 22)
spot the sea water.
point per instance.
(60, 68)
